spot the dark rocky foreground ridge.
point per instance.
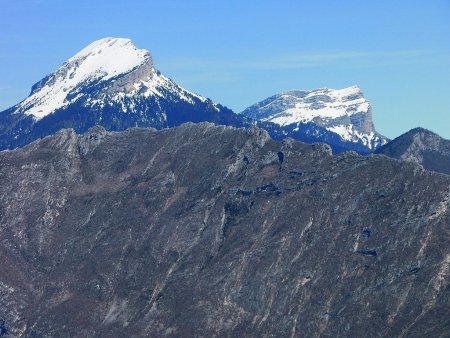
(420, 146)
(215, 231)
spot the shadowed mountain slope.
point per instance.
(215, 231)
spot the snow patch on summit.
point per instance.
(101, 60)
(304, 106)
(108, 57)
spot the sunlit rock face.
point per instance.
(206, 230)
(420, 146)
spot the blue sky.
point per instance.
(239, 52)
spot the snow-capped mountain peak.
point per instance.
(101, 60)
(125, 70)
(343, 111)
(111, 83)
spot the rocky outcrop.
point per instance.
(215, 231)
(420, 146)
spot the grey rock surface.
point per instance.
(203, 230)
(420, 146)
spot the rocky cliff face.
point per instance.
(216, 231)
(344, 112)
(420, 146)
